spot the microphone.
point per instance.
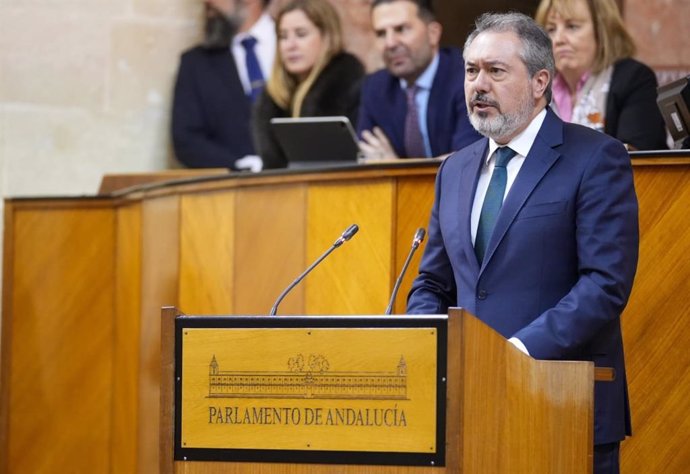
(344, 237)
(418, 239)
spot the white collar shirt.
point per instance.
(264, 32)
(521, 144)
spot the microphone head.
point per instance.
(346, 235)
(350, 231)
(418, 237)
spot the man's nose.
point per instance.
(391, 39)
(482, 83)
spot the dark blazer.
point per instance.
(335, 92)
(211, 113)
(632, 115)
(560, 264)
(384, 105)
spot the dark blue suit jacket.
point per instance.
(383, 104)
(211, 114)
(560, 264)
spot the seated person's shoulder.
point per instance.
(201, 53)
(632, 65)
(346, 65)
(347, 60)
(453, 54)
(451, 69)
(581, 137)
(630, 71)
(378, 79)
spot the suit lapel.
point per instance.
(399, 102)
(436, 97)
(223, 66)
(540, 159)
(467, 190)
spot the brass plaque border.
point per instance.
(436, 458)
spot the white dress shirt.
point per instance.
(521, 144)
(264, 32)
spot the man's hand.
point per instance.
(375, 146)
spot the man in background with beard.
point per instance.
(415, 107)
(217, 82)
(534, 228)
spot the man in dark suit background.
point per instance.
(395, 120)
(216, 83)
(534, 229)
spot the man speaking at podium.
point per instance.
(534, 228)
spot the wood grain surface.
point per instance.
(84, 280)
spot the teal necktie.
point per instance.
(492, 201)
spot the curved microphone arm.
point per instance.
(345, 236)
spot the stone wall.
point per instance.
(85, 85)
(85, 89)
(661, 29)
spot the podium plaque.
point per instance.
(337, 390)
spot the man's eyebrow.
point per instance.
(393, 26)
(488, 62)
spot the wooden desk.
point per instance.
(85, 278)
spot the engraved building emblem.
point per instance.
(309, 377)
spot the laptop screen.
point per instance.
(316, 141)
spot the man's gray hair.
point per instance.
(537, 51)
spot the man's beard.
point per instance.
(219, 30)
(503, 124)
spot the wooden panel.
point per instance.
(207, 237)
(160, 269)
(58, 365)
(415, 197)
(482, 417)
(7, 334)
(166, 444)
(520, 414)
(558, 398)
(656, 326)
(269, 248)
(125, 383)
(355, 279)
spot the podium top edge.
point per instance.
(316, 317)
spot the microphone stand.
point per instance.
(418, 239)
(347, 235)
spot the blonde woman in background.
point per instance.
(312, 74)
(597, 82)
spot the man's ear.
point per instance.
(539, 83)
(435, 30)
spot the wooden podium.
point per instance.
(219, 245)
(497, 409)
